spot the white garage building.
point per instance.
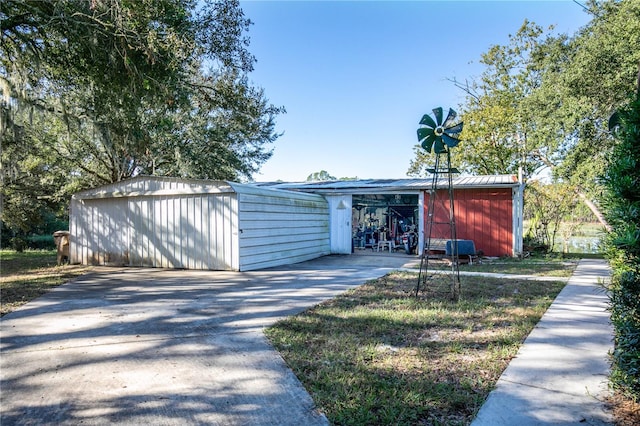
(196, 224)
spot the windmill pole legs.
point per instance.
(442, 220)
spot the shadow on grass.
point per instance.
(377, 355)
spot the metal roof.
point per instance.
(142, 185)
(388, 185)
(156, 185)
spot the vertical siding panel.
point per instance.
(218, 230)
(137, 229)
(141, 231)
(151, 231)
(148, 225)
(462, 214)
(167, 243)
(213, 230)
(98, 234)
(86, 251)
(477, 223)
(187, 235)
(205, 233)
(177, 229)
(202, 252)
(161, 232)
(499, 234)
(130, 224)
(197, 252)
(181, 210)
(133, 234)
(208, 231)
(171, 232)
(109, 228)
(94, 229)
(507, 225)
(222, 226)
(89, 227)
(192, 232)
(168, 224)
(226, 224)
(233, 236)
(486, 222)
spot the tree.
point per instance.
(544, 101)
(320, 176)
(498, 132)
(96, 92)
(622, 202)
(546, 208)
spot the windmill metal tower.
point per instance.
(440, 272)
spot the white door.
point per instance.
(340, 223)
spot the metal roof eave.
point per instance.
(396, 185)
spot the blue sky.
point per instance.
(356, 76)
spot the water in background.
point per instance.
(579, 245)
(586, 239)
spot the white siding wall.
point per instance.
(279, 228)
(187, 231)
(161, 222)
(126, 225)
(99, 232)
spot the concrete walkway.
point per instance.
(560, 374)
(166, 347)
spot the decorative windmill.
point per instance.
(439, 137)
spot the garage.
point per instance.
(376, 213)
(196, 224)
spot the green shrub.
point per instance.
(41, 242)
(622, 203)
(18, 244)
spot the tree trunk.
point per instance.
(596, 211)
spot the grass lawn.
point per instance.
(377, 355)
(550, 266)
(27, 275)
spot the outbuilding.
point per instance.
(221, 225)
(488, 210)
(196, 224)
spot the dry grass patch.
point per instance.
(625, 410)
(28, 275)
(378, 355)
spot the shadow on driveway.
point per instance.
(167, 347)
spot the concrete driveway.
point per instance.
(167, 347)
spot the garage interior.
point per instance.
(380, 221)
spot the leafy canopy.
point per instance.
(98, 91)
(543, 100)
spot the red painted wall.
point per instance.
(482, 215)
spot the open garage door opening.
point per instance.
(385, 222)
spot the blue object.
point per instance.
(465, 248)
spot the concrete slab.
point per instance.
(560, 373)
(167, 347)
